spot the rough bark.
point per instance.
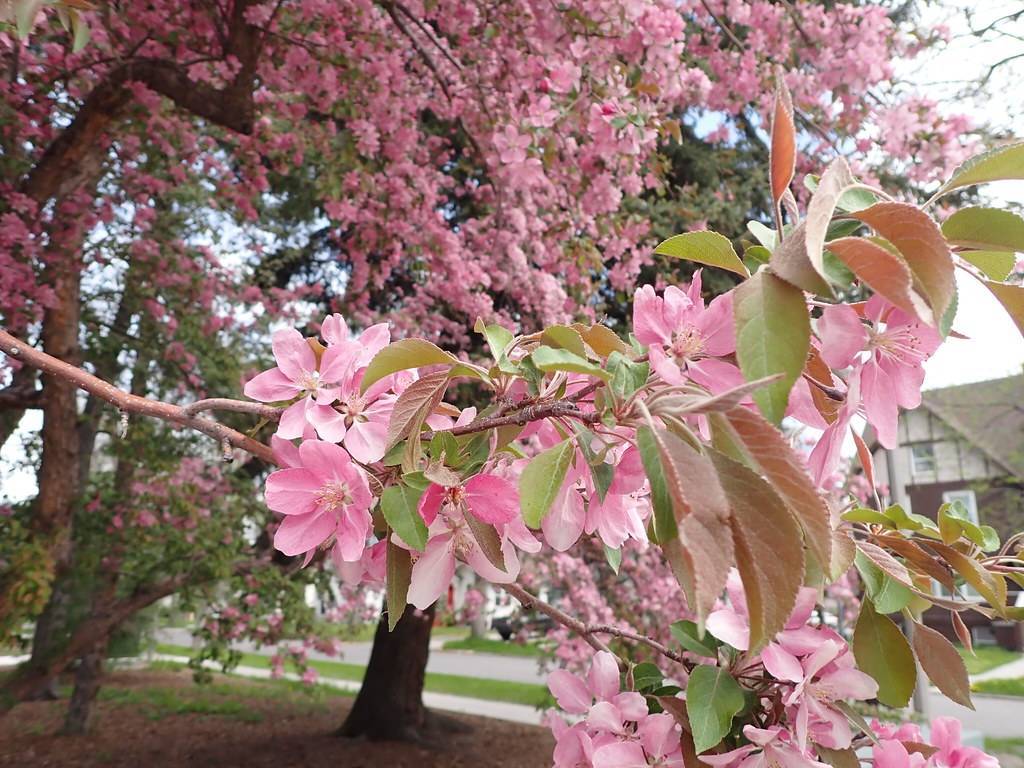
(389, 706)
(87, 685)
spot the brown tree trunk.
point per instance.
(389, 706)
(87, 685)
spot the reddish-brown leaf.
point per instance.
(785, 470)
(415, 404)
(702, 516)
(799, 257)
(884, 272)
(769, 551)
(919, 559)
(921, 243)
(962, 631)
(991, 586)
(783, 148)
(866, 461)
(943, 665)
(818, 370)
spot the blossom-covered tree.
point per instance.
(460, 161)
(670, 439)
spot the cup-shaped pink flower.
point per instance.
(892, 374)
(769, 748)
(656, 744)
(326, 496)
(684, 337)
(491, 500)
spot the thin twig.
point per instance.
(268, 412)
(174, 414)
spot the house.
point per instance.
(966, 444)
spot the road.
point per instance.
(490, 666)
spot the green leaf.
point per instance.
(601, 339)
(883, 652)
(997, 265)
(402, 355)
(1005, 162)
(664, 518)
(888, 595)
(564, 337)
(627, 376)
(1012, 299)
(647, 676)
(614, 558)
(708, 248)
(755, 256)
(549, 359)
(400, 507)
(81, 31)
(943, 664)
(687, 634)
(773, 335)
(713, 698)
(986, 229)
(541, 481)
(601, 471)
(399, 574)
(766, 236)
(498, 338)
(869, 516)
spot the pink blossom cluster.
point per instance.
(614, 728)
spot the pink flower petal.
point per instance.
(620, 754)
(492, 499)
(325, 460)
(301, 533)
(366, 441)
(270, 387)
(431, 573)
(430, 503)
(729, 627)
(292, 424)
(603, 677)
(605, 716)
(659, 734)
(294, 356)
(842, 335)
(292, 491)
(781, 664)
(563, 523)
(328, 422)
(570, 692)
(880, 405)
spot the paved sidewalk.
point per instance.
(490, 666)
(499, 710)
(1011, 670)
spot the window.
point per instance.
(922, 456)
(966, 497)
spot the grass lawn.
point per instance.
(457, 685)
(1005, 746)
(487, 645)
(1002, 687)
(986, 657)
(224, 697)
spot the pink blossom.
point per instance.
(326, 496)
(892, 374)
(769, 748)
(491, 501)
(945, 734)
(822, 678)
(684, 337)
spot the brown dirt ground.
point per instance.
(161, 718)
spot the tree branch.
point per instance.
(129, 403)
